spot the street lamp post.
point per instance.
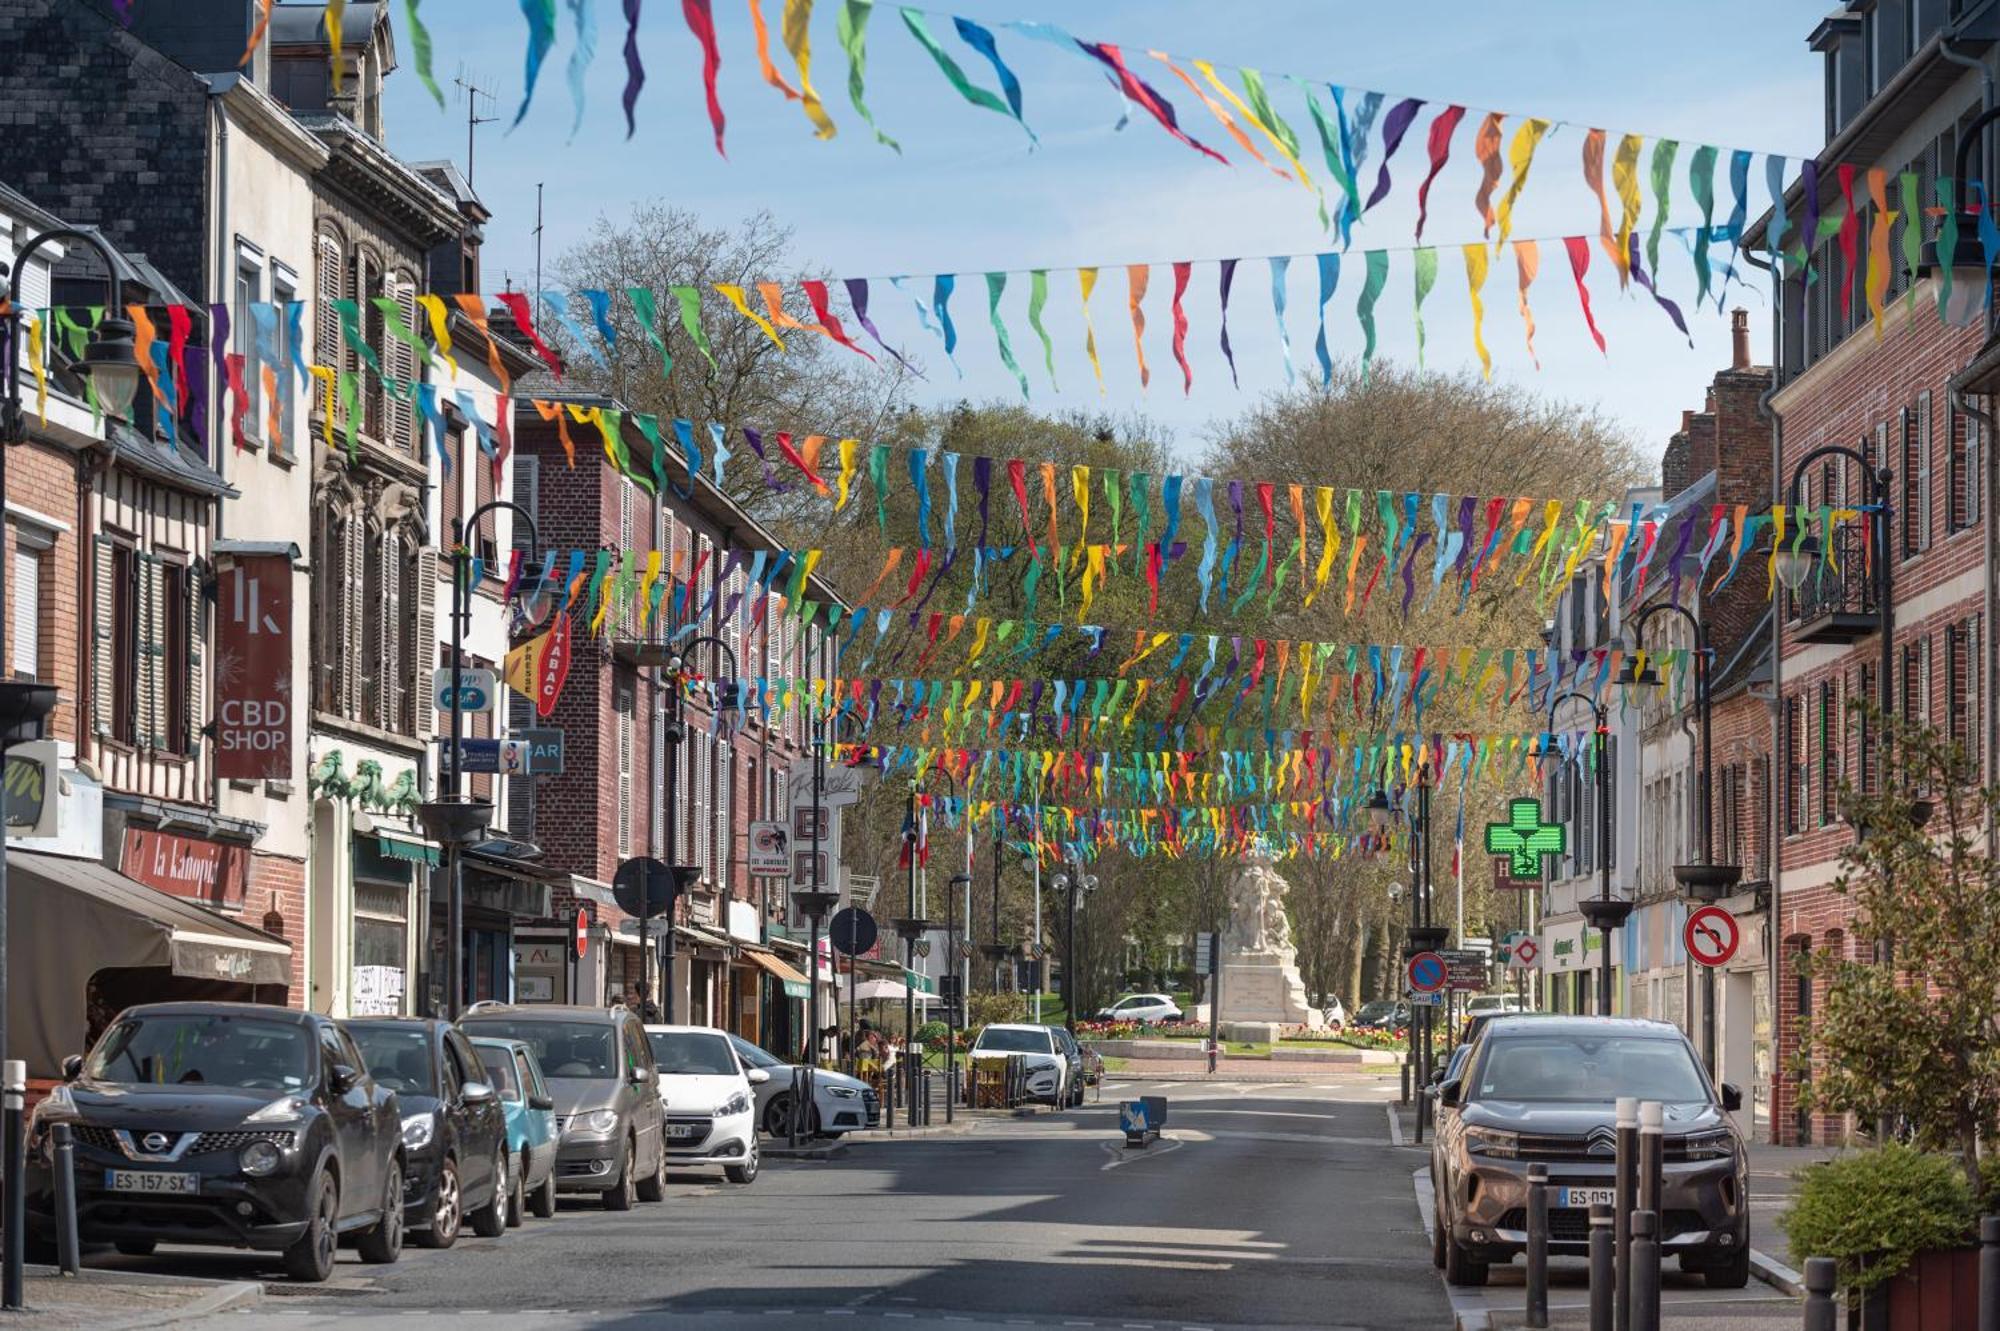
(961, 882)
(461, 618)
(674, 732)
(108, 364)
(1604, 912)
(913, 926)
(836, 721)
(1072, 883)
(1706, 881)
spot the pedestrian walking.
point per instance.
(642, 1004)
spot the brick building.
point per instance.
(1720, 458)
(1901, 80)
(612, 801)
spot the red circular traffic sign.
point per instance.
(582, 941)
(1427, 973)
(1710, 935)
(1528, 952)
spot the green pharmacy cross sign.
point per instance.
(1525, 838)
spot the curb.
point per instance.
(223, 1296)
(823, 1151)
(1776, 1274)
(235, 1294)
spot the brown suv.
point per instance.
(1544, 1089)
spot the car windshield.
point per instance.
(749, 1053)
(399, 1057)
(500, 1072)
(1489, 1004)
(579, 1050)
(997, 1041)
(692, 1054)
(204, 1050)
(1379, 1008)
(1589, 1067)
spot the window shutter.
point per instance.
(394, 690)
(527, 490)
(420, 670)
(327, 288)
(25, 651)
(659, 780)
(399, 362)
(1924, 455)
(104, 633)
(152, 654)
(701, 800)
(623, 702)
(353, 556)
(197, 614)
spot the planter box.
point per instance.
(1940, 1292)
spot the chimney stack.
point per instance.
(1739, 338)
(1687, 421)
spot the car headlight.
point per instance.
(261, 1158)
(595, 1123)
(1718, 1145)
(843, 1092)
(284, 1109)
(738, 1103)
(1493, 1143)
(418, 1130)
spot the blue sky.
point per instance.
(967, 195)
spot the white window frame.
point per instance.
(251, 269)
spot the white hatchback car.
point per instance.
(1142, 1007)
(711, 1114)
(1049, 1073)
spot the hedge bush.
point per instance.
(1874, 1211)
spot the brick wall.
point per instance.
(42, 479)
(277, 896)
(101, 129)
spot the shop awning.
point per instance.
(796, 985)
(403, 846)
(69, 919)
(706, 942)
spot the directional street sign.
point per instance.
(1427, 973)
(1711, 935)
(1204, 952)
(507, 757)
(1465, 970)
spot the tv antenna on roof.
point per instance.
(471, 92)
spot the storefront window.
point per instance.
(381, 947)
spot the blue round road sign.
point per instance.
(1428, 973)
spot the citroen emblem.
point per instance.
(155, 1142)
(1602, 1141)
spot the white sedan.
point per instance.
(1154, 1008)
(841, 1103)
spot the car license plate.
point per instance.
(146, 1180)
(680, 1131)
(1586, 1197)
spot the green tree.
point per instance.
(1916, 1039)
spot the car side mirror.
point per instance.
(541, 1102)
(1447, 1093)
(1732, 1096)
(639, 1076)
(341, 1078)
(758, 1076)
(72, 1067)
(476, 1093)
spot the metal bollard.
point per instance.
(1821, 1275)
(1989, 1273)
(13, 1097)
(1603, 1268)
(69, 1252)
(1645, 1271)
(1406, 1082)
(1538, 1246)
(1625, 1202)
(1652, 1155)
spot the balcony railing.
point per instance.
(1837, 601)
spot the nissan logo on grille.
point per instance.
(156, 1142)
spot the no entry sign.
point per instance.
(1710, 935)
(1427, 973)
(579, 941)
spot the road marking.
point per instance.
(1120, 1156)
(1395, 1126)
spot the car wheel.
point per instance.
(620, 1195)
(543, 1200)
(1459, 1267)
(517, 1196)
(447, 1212)
(136, 1247)
(310, 1259)
(745, 1172)
(778, 1115)
(384, 1243)
(490, 1220)
(653, 1188)
(1732, 1274)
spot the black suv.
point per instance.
(231, 1124)
(454, 1132)
(601, 1075)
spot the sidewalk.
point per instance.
(115, 1300)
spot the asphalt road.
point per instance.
(1266, 1205)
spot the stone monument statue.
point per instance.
(1260, 986)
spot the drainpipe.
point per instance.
(1773, 826)
(1962, 401)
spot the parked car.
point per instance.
(1073, 1061)
(1384, 1014)
(1333, 1010)
(516, 1077)
(1154, 1008)
(840, 1103)
(225, 1124)
(1544, 1090)
(709, 1099)
(454, 1137)
(599, 1071)
(1049, 1070)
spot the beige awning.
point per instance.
(795, 984)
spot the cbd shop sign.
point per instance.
(253, 669)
